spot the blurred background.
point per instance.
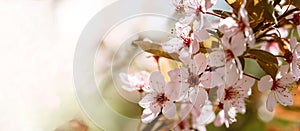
(38, 40)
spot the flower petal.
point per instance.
(238, 44)
(271, 101)
(216, 58)
(282, 71)
(265, 83)
(201, 63)
(147, 100)
(178, 75)
(246, 82)
(207, 114)
(206, 79)
(172, 91)
(287, 79)
(172, 45)
(220, 119)
(231, 74)
(198, 97)
(284, 96)
(149, 114)
(157, 82)
(169, 109)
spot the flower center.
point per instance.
(186, 42)
(161, 99)
(230, 93)
(193, 80)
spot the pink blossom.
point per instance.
(232, 99)
(138, 81)
(162, 99)
(278, 86)
(192, 117)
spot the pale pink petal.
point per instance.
(294, 66)
(265, 83)
(172, 91)
(198, 97)
(284, 96)
(221, 92)
(149, 114)
(238, 44)
(208, 4)
(201, 35)
(201, 127)
(185, 110)
(207, 115)
(232, 74)
(282, 71)
(147, 100)
(243, 13)
(178, 75)
(287, 79)
(201, 63)
(193, 67)
(246, 82)
(157, 81)
(216, 79)
(228, 26)
(271, 101)
(180, 90)
(195, 47)
(216, 58)
(185, 55)
(225, 43)
(172, 45)
(220, 119)
(240, 106)
(230, 113)
(169, 109)
(206, 80)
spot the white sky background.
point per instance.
(38, 39)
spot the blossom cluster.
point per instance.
(211, 86)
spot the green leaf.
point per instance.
(267, 61)
(155, 49)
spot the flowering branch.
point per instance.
(212, 75)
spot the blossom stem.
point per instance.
(251, 76)
(214, 14)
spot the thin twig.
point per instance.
(251, 76)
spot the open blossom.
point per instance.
(295, 64)
(192, 79)
(162, 99)
(191, 29)
(278, 86)
(138, 81)
(233, 49)
(232, 99)
(192, 117)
